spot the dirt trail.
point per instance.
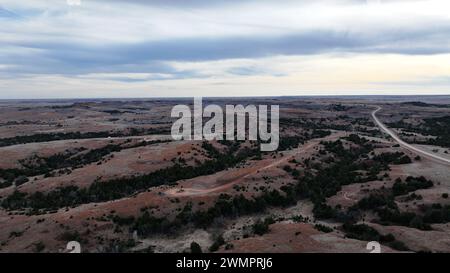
(231, 177)
(410, 147)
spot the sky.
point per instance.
(185, 48)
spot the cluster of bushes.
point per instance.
(407, 219)
(225, 206)
(389, 213)
(337, 148)
(362, 141)
(339, 107)
(323, 228)
(68, 159)
(14, 176)
(320, 133)
(239, 205)
(329, 180)
(289, 142)
(364, 232)
(59, 161)
(374, 201)
(315, 124)
(411, 184)
(5, 184)
(396, 158)
(424, 104)
(436, 213)
(52, 137)
(123, 187)
(78, 135)
(438, 127)
(147, 224)
(218, 242)
(363, 121)
(261, 227)
(386, 208)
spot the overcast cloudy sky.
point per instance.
(112, 48)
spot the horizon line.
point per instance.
(225, 97)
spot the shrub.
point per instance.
(323, 228)
(361, 232)
(262, 227)
(21, 180)
(217, 244)
(196, 248)
(374, 201)
(68, 236)
(411, 184)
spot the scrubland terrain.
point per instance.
(107, 174)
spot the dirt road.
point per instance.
(406, 145)
(221, 181)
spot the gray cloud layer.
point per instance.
(150, 57)
(59, 55)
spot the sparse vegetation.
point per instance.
(348, 180)
(261, 227)
(218, 242)
(323, 228)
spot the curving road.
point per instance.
(236, 175)
(406, 145)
